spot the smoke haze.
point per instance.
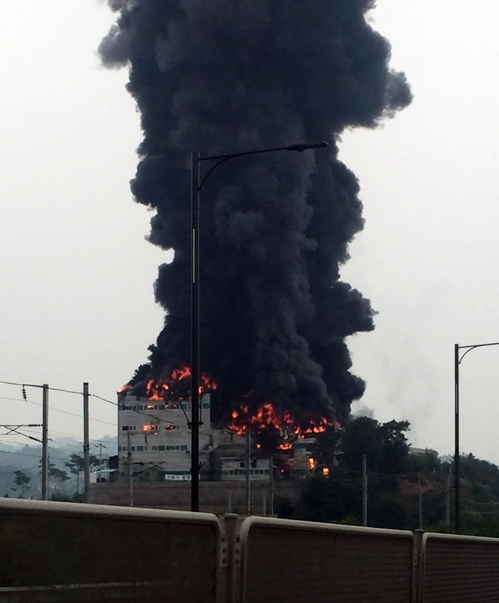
(225, 76)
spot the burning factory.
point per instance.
(229, 76)
(154, 437)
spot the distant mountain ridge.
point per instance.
(26, 458)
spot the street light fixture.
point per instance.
(197, 184)
(458, 358)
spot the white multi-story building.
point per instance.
(154, 443)
(153, 435)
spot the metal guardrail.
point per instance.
(460, 569)
(72, 553)
(297, 561)
(67, 552)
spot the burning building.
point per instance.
(154, 438)
(226, 76)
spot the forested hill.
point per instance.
(395, 478)
(20, 466)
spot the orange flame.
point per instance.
(208, 382)
(164, 387)
(266, 416)
(181, 373)
(123, 388)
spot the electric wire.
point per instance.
(52, 408)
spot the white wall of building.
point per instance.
(235, 469)
(158, 435)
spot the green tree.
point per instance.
(325, 447)
(338, 497)
(395, 447)
(360, 437)
(22, 480)
(59, 475)
(76, 465)
(387, 510)
(428, 461)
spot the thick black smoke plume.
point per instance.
(223, 76)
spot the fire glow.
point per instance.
(175, 386)
(266, 418)
(159, 390)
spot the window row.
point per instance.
(171, 406)
(243, 472)
(154, 448)
(150, 428)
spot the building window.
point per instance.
(140, 448)
(125, 428)
(161, 407)
(161, 447)
(151, 407)
(183, 447)
(154, 447)
(206, 406)
(140, 407)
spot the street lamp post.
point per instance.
(458, 358)
(197, 183)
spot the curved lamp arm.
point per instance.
(297, 148)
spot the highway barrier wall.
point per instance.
(460, 569)
(64, 552)
(301, 561)
(61, 552)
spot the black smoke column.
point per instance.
(222, 76)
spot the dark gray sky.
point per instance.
(77, 301)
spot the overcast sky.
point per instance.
(77, 300)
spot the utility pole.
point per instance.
(458, 358)
(45, 441)
(364, 490)
(195, 199)
(130, 474)
(271, 482)
(420, 503)
(101, 446)
(86, 443)
(457, 469)
(197, 184)
(248, 484)
(447, 502)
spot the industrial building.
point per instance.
(154, 437)
(154, 444)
